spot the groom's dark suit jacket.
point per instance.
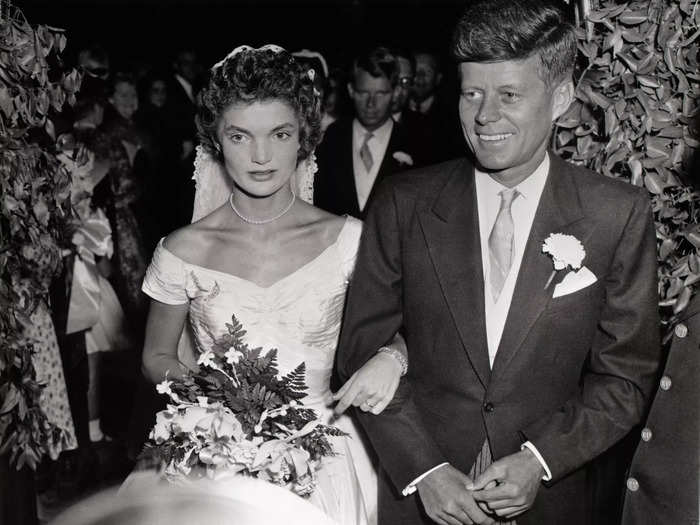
(572, 374)
(334, 184)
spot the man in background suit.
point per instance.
(358, 153)
(529, 354)
(182, 99)
(425, 141)
(430, 100)
(181, 106)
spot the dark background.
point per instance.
(152, 31)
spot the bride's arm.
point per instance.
(373, 386)
(163, 329)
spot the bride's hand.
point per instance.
(372, 387)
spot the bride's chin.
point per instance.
(261, 191)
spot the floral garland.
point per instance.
(35, 191)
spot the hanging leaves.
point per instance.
(35, 193)
(636, 101)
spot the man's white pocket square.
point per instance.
(574, 281)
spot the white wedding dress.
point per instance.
(300, 316)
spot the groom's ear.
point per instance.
(562, 97)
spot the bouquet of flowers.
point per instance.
(237, 415)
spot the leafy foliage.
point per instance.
(35, 193)
(635, 117)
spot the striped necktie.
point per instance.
(501, 243)
(366, 154)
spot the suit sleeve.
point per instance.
(618, 376)
(373, 315)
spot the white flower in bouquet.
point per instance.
(164, 388)
(206, 358)
(233, 356)
(162, 430)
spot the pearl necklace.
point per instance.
(262, 221)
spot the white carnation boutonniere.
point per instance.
(566, 252)
(402, 158)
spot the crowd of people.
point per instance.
(507, 399)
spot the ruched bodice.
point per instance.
(300, 316)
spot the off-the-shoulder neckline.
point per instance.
(311, 262)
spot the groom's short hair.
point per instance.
(500, 30)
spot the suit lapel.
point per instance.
(559, 210)
(388, 165)
(348, 189)
(451, 230)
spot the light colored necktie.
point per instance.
(366, 154)
(501, 243)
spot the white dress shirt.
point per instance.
(523, 209)
(364, 180)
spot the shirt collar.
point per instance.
(183, 80)
(381, 133)
(426, 104)
(529, 188)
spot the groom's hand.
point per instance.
(508, 486)
(446, 499)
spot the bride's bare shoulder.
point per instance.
(315, 215)
(327, 222)
(190, 242)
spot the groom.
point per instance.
(526, 360)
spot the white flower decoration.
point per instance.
(403, 158)
(566, 251)
(233, 356)
(164, 388)
(206, 359)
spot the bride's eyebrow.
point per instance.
(233, 128)
(283, 126)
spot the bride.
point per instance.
(279, 264)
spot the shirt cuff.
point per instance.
(532, 448)
(411, 487)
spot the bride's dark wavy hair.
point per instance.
(257, 75)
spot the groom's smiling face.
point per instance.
(507, 111)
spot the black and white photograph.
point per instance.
(349, 262)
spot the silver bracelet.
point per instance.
(398, 355)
